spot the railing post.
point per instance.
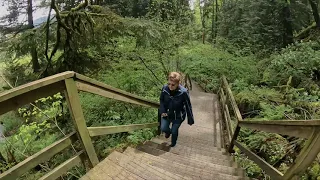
(234, 138)
(79, 121)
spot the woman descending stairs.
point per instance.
(197, 155)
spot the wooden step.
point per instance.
(228, 165)
(187, 170)
(145, 171)
(191, 143)
(108, 170)
(198, 132)
(190, 139)
(212, 159)
(180, 149)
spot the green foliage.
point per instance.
(301, 61)
(251, 168)
(256, 25)
(140, 136)
(274, 112)
(206, 65)
(11, 121)
(52, 109)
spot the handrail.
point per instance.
(187, 82)
(19, 96)
(298, 128)
(69, 82)
(302, 128)
(93, 86)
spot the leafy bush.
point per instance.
(206, 65)
(300, 61)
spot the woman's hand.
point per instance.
(164, 115)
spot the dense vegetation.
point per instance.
(269, 51)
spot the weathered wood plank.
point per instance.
(270, 170)
(234, 138)
(92, 86)
(215, 122)
(99, 131)
(223, 99)
(40, 157)
(302, 131)
(228, 124)
(231, 98)
(229, 119)
(17, 100)
(314, 122)
(227, 127)
(63, 168)
(79, 121)
(35, 85)
(217, 116)
(306, 157)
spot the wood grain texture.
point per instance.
(99, 131)
(79, 121)
(92, 86)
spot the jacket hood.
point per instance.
(181, 89)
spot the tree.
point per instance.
(315, 12)
(287, 23)
(203, 15)
(33, 48)
(17, 8)
(214, 19)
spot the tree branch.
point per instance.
(48, 33)
(149, 69)
(81, 6)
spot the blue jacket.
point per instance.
(176, 106)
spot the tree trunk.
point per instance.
(213, 22)
(30, 14)
(315, 12)
(203, 22)
(33, 49)
(217, 10)
(287, 23)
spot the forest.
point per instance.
(269, 50)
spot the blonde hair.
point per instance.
(175, 76)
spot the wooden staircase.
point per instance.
(156, 160)
(202, 150)
(197, 155)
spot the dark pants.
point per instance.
(165, 127)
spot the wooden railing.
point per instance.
(69, 83)
(187, 82)
(309, 129)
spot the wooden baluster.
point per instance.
(79, 121)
